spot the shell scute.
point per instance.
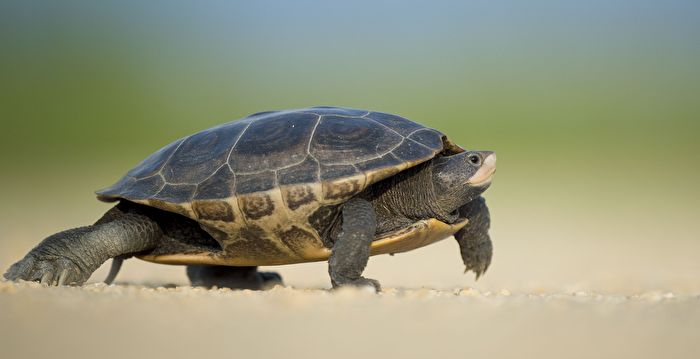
(347, 140)
(297, 196)
(213, 211)
(428, 138)
(401, 125)
(199, 155)
(273, 142)
(335, 191)
(411, 151)
(175, 193)
(332, 172)
(255, 182)
(142, 188)
(220, 185)
(306, 171)
(256, 206)
(154, 163)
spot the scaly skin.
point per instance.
(71, 256)
(474, 241)
(351, 250)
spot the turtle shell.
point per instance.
(264, 186)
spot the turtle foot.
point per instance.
(270, 279)
(49, 271)
(361, 282)
(232, 277)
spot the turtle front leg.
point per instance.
(71, 256)
(351, 249)
(474, 240)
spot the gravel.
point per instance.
(181, 321)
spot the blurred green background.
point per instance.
(593, 108)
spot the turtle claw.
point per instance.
(477, 259)
(479, 267)
(47, 278)
(63, 277)
(49, 272)
(361, 282)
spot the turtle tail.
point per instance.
(114, 269)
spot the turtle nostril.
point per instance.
(475, 159)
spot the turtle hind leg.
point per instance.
(71, 256)
(232, 277)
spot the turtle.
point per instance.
(282, 187)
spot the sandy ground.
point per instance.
(626, 286)
(428, 309)
(125, 320)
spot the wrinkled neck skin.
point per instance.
(419, 193)
(450, 177)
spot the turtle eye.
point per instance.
(474, 159)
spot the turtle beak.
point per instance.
(484, 174)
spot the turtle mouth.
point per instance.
(484, 175)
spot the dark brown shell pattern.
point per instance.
(257, 184)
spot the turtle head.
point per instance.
(463, 177)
